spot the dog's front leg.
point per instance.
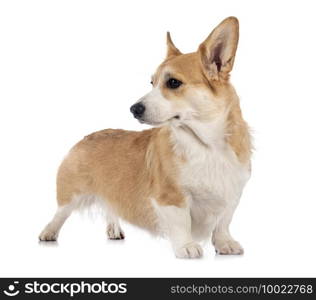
(221, 237)
(175, 222)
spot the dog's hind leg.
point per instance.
(50, 232)
(113, 229)
(66, 204)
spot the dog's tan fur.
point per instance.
(146, 169)
(128, 169)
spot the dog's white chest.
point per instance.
(214, 176)
(211, 176)
(213, 182)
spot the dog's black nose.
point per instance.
(137, 110)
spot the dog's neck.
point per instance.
(206, 133)
(227, 131)
(192, 135)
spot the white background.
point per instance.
(68, 68)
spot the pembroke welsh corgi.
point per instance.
(184, 177)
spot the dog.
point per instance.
(184, 177)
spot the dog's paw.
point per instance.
(191, 250)
(48, 235)
(115, 232)
(228, 247)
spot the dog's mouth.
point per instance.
(159, 123)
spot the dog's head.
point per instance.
(194, 86)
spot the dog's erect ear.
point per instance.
(172, 50)
(218, 50)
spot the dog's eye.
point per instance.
(173, 83)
